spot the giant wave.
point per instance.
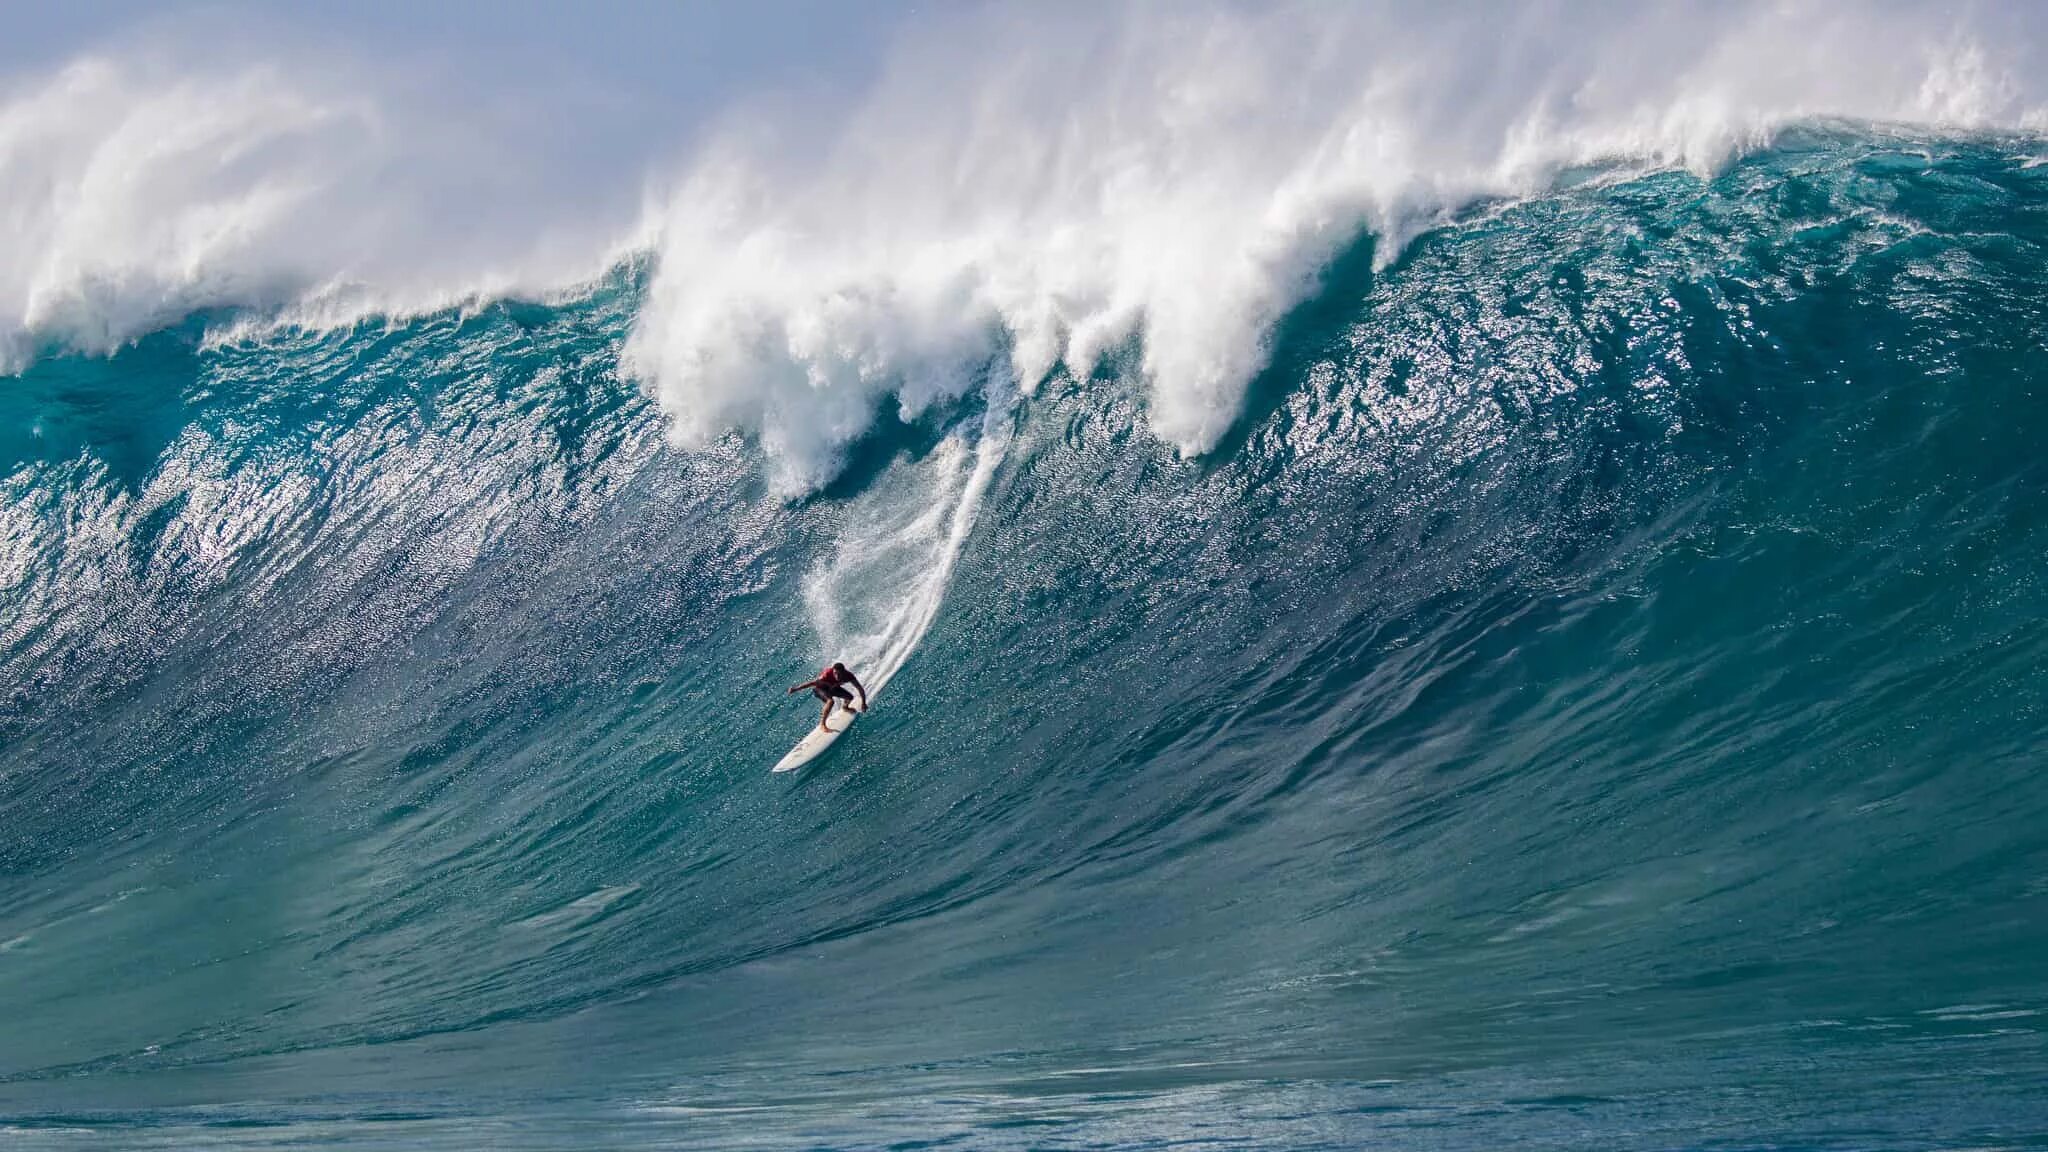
(1429, 585)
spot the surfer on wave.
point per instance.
(830, 687)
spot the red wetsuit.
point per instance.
(829, 682)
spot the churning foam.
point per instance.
(1046, 188)
(1021, 185)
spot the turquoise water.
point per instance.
(1593, 697)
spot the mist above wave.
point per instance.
(1019, 184)
(136, 191)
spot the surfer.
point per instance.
(830, 687)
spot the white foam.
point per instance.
(876, 595)
(1029, 184)
(135, 192)
(1051, 185)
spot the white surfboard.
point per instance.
(818, 739)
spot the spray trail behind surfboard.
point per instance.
(875, 597)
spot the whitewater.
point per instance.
(1432, 576)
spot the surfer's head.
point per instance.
(838, 667)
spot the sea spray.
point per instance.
(876, 594)
(1046, 186)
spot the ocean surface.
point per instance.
(1587, 691)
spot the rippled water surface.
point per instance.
(1593, 698)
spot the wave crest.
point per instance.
(1052, 189)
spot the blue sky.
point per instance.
(661, 60)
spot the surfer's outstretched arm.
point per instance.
(810, 684)
(859, 687)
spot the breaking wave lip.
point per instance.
(1041, 189)
(135, 193)
(1180, 178)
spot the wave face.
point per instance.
(1589, 691)
(1596, 691)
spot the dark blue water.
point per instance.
(1593, 698)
